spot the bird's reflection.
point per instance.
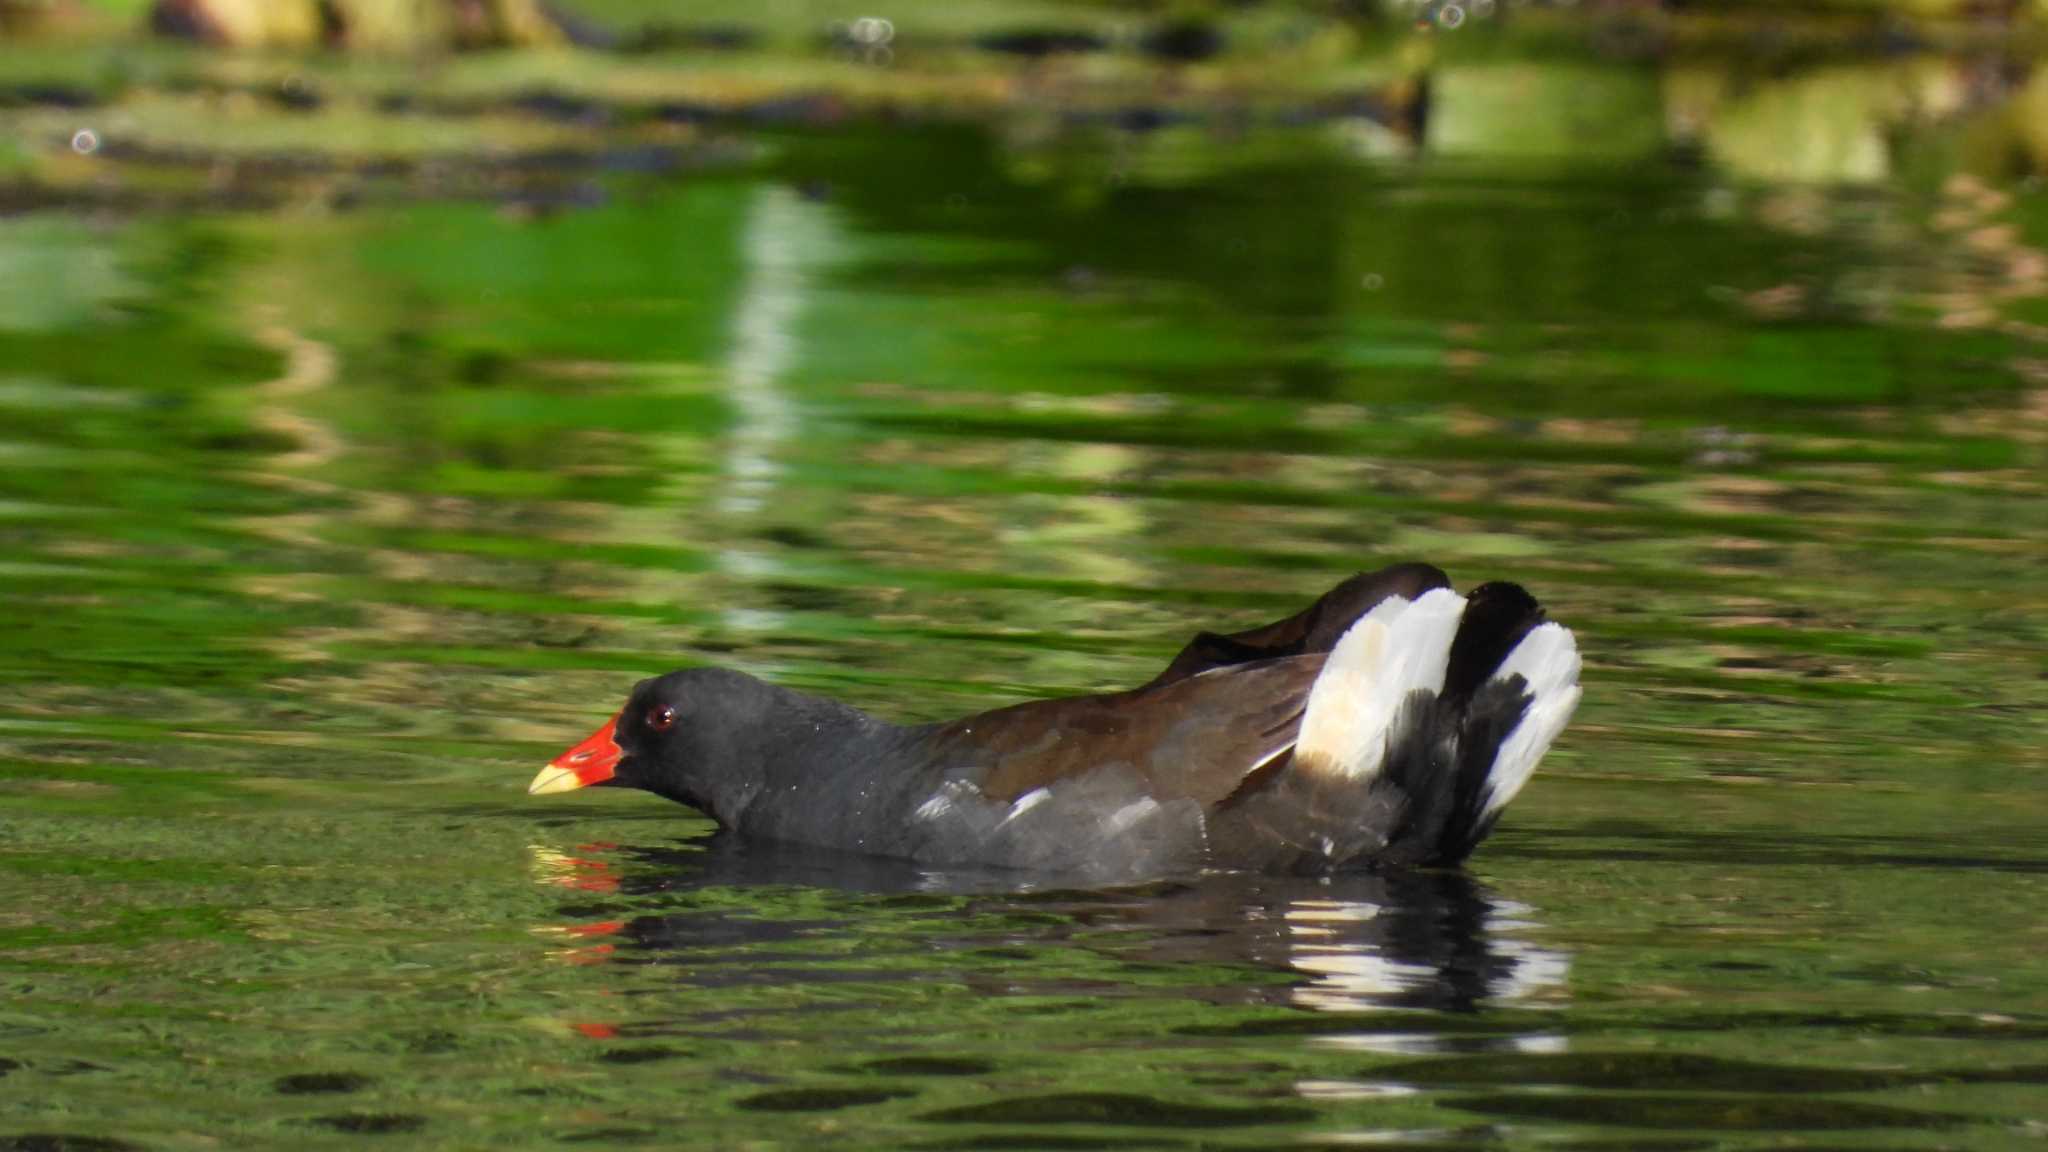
(1357, 942)
(1436, 941)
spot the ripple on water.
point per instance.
(609, 1136)
(647, 1055)
(322, 1083)
(821, 1099)
(1637, 1071)
(1709, 1113)
(371, 1123)
(1120, 1108)
(64, 1142)
(930, 1066)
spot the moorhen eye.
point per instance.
(661, 719)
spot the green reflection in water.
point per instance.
(324, 530)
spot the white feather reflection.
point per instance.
(1363, 955)
(787, 239)
(786, 242)
(1381, 947)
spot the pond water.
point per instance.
(326, 525)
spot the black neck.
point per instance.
(806, 768)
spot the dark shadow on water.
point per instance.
(1047, 1142)
(1420, 941)
(1636, 841)
(1118, 1109)
(922, 1066)
(322, 1083)
(1680, 1072)
(718, 860)
(611, 1136)
(371, 1123)
(1712, 1113)
(818, 1099)
(64, 1142)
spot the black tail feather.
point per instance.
(1420, 768)
(1441, 749)
(1497, 616)
(1493, 712)
(1439, 756)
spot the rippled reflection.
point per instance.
(1431, 941)
(1359, 960)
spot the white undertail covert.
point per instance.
(1548, 658)
(1401, 646)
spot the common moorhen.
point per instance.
(1387, 723)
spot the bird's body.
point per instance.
(1388, 723)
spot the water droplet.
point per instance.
(85, 142)
(1373, 282)
(873, 30)
(1450, 15)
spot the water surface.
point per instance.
(325, 527)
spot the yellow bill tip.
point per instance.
(553, 779)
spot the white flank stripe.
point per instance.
(1027, 802)
(1130, 814)
(1269, 757)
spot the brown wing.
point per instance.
(1314, 629)
(1196, 737)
